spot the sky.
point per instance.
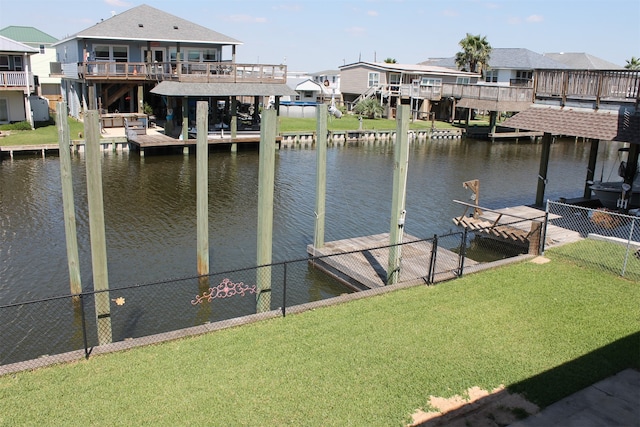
(313, 36)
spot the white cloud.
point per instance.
(117, 3)
(245, 19)
(372, 13)
(450, 13)
(535, 18)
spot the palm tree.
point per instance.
(633, 63)
(369, 108)
(475, 53)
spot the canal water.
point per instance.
(150, 205)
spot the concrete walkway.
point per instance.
(614, 401)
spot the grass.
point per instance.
(42, 135)
(603, 255)
(544, 330)
(49, 134)
(351, 122)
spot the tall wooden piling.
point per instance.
(266, 180)
(67, 199)
(97, 226)
(400, 165)
(544, 166)
(321, 175)
(591, 167)
(202, 187)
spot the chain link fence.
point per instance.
(66, 328)
(610, 240)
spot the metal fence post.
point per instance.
(87, 352)
(463, 247)
(284, 292)
(432, 260)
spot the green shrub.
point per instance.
(16, 126)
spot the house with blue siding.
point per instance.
(146, 61)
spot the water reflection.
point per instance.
(151, 205)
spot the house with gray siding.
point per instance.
(421, 85)
(145, 60)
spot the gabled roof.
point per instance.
(512, 58)
(309, 85)
(146, 23)
(326, 73)
(582, 61)
(8, 45)
(409, 68)
(27, 35)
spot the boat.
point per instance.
(618, 194)
(611, 194)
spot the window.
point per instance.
(491, 76)
(42, 49)
(193, 56)
(427, 81)
(120, 53)
(394, 81)
(210, 55)
(463, 80)
(4, 62)
(528, 75)
(17, 63)
(101, 53)
(374, 79)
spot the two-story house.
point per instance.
(422, 85)
(47, 86)
(145, 60)
(510, 66)
(16, 81)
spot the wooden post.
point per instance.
(401, 162)
(96, 226)
(266, 178)
(140, 99)
(321, 174)
(67, 199)
(185, 119)
(202, 188)
(234, 123)
(591, 168)
(544, 166)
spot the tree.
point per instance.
(633, 63)
(369, 108)
(475, 53)
(390, 60)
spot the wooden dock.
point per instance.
(515, 224)
(157, 140)
(361, 263)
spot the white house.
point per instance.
(16, 81)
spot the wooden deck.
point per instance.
(160, 140)
(519, 220)
(364, 261)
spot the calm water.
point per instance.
(151, 204)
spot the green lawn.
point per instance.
(546, 330)
(41, 135)
(49, 134)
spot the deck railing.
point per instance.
(591, 85)
(201, 72)
(15, 79)
(487, 92)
